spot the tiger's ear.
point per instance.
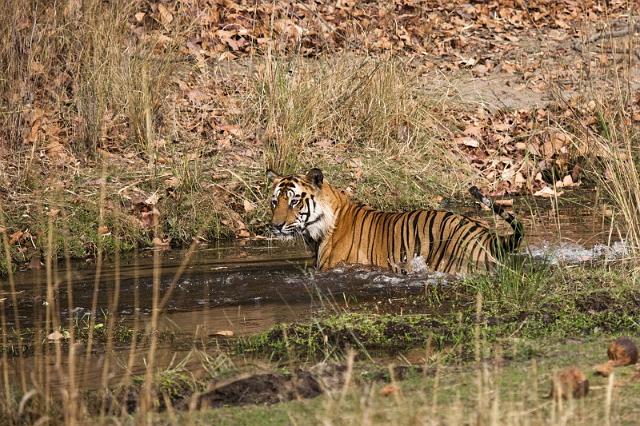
(273, 176)
(315, 176)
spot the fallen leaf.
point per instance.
(162, 244)
(15, 237)
(468, 141)
(172, 182)
(566, 182)
(548, 192)
(103, 230)
(504, 203)
(165, 16)
(248, 206)
(224, 333)
(152, 199)
(389, 389)
(474, 131)
(149, 217)
(56, 335)
(519, 179)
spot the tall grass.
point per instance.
(352, 102)
(619, 171)
(611, 140)
(82, 59)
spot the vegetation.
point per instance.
(491, 339)
(174, 118)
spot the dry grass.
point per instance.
(81, 57)
(618, 166)
(371, 115)
(355, 101)
(606, 132)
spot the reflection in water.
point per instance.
(248, 287)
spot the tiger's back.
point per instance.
(341, 231)
(439, 240)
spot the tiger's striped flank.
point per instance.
(341, 231)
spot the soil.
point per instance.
(263, 388)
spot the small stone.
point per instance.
(570, 382)
(605, 369)
(623, 351)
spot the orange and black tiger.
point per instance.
(339, 230)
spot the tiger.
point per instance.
(341, 231)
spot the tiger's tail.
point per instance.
(511, 242)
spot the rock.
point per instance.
(570, 382)
(260, 388)
(623, 351)
(604, 369)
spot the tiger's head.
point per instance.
(299, 205)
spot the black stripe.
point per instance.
(403, 238)
(353, 234)
(466, 239)
(429, 226)
(372, 229)
(391, 237)
(384, 240)
(417, 248)
(316, 220)
(444, 243)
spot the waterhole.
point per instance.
(240, 288)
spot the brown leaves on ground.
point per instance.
(516, 153)
(462, 34)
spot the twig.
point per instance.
(517, 330)
(244, 182)
(629, 30)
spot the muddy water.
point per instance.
(250, 286)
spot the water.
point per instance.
(246, 287)
(250, 285)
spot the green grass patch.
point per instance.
(525, 305)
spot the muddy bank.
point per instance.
(528, 305)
